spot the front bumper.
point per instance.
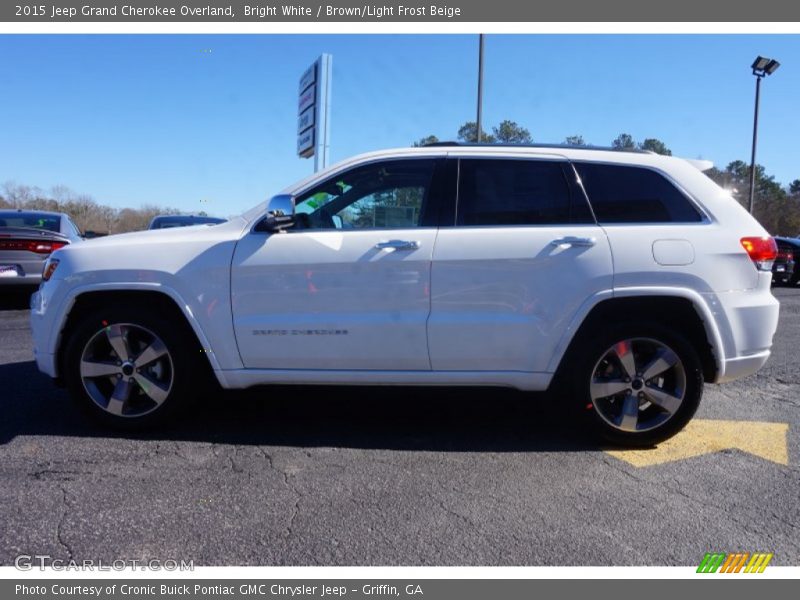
(40, 329)
(46, 363)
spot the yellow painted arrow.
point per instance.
(704, 436)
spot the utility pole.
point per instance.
(480, 87)
(753, 152)
(761, 68)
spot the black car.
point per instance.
(785, 269)
(166, 221)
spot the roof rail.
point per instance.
(556, 146)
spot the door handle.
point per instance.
(398, 245)
(574, 241)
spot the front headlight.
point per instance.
(50, 266)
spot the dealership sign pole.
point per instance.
(313, 112)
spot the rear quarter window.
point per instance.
(626, 194)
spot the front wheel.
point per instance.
(637, 384)
(128, 367)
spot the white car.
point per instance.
(27, 238)
(622, 281)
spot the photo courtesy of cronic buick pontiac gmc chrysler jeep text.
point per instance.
(623, 280)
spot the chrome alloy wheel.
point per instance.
(638, 384)
(126, 370)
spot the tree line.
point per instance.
(777, 207)
(88, 214)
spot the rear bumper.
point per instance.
(29, 268)
(28, 280)
(783, 272)
(742, 366)
(748, 321)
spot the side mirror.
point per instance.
(280, 214)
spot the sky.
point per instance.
(208, 122)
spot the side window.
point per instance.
(76, 232)
(622, 194)
(517, 192)
(383, 195)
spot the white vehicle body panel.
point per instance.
(500, 302)
(332, 300)
(190, 265)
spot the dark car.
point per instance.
(27, 238)
(785, 269)
(167, 221)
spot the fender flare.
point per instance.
(67, 304)
(700, 305)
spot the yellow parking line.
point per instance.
(706, 436)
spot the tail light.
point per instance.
(37, 246)
(761, 250)
(50, 267)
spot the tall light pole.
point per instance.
(480, 87)
(761, 67)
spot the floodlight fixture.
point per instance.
(762, 66)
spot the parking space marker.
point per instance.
(707, 436)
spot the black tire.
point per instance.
(178, 373)
(600, 415)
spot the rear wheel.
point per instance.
(637, 384)
(129, 368)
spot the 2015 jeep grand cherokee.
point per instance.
(627, 278)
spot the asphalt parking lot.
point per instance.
(364, 476)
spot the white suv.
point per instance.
(629, 278)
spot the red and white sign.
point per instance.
(313, 111)
(307, 99)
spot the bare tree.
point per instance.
(88, 214)
(17, 195)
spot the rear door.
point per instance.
(522, 255)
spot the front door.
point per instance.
(348, 287)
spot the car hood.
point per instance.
(135, 255)
(232, 228)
